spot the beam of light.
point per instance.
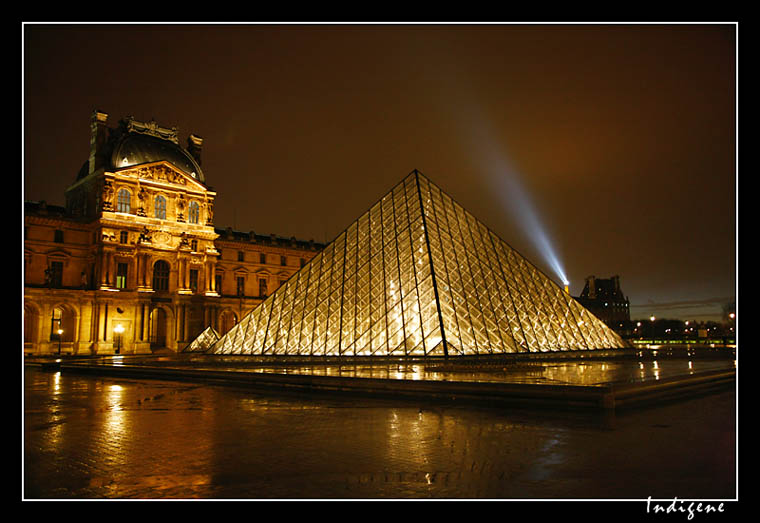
(505, 181)
(516, 200)
(483, 144)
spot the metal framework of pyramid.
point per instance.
(417, 275)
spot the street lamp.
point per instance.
(118, 329)
(60, 332)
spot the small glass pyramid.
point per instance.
(203, 342)
(417, 275)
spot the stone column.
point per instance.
(148, 272)
(106, 332)
(186, 324)
(146, 322)
(180, 274)
(112, 269)
(104, 270)
(211, 277)
(138, 271)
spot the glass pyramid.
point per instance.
(417, 275)
(203, 342)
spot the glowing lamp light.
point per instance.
(118, 330)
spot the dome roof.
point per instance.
(136, 149)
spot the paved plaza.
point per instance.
(91, 437)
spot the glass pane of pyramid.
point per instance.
(417, 275)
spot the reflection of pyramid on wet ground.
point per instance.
(417, 275)
(204, 341)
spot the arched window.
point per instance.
(123, 203)
(159, 207)
(161, 276)
(193, 212)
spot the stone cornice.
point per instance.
(160, 174)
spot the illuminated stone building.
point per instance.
(603, 297)
(134, 263)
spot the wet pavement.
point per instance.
(89, 437)
(636, 367)
(587, 373)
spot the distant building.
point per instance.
(134, 263)
(606, 301)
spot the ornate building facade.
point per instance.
(134, 263)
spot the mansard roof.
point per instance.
(134, 143)
(137, 149)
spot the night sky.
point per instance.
(620, 140)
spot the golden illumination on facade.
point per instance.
(136, 246)
(417, 275)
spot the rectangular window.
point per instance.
(262, 287)
(121, 275)
(123, 203)
(241, 285)
(194, 212)
(241, 256)
(58, 236)
(283, 261)
(159, 207)
(194, 280)
(56, 274)
(161, 276)
(262, 258)
(218, 280)
(194, 245)
(124, 237)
